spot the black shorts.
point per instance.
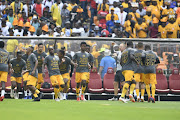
(119, 76)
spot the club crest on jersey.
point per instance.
(38, 56)
(17, 64)
(53, 58)
(83, 55)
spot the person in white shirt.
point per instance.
(27, 7)
(99, 1)
(141, 11)
(19, 31)
(4, 28)
(48, 3)
(111, 2)
(2, 6)
(116, 8)
(122, 15)
(57, 33)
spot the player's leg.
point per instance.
(84, 78)
(13, 85)
(132, 87)
(61, 88)
(78, 81)
(147, 83)
(137, 79)
(66, 88)
(3, 80)
(142, 91)
(55, 85)
(40, 81)
(153, 83)
(25, 77)
(18, 83)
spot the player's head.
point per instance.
(63, 48)
(147, 47)
(40, 47)
(130, 44)
(51, 50)
(29, 50)
(61, 53)
(19, 55)
(122, 47)
(83, 46)
(88, 48)
(2, 44)
(140, 45)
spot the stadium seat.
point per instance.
(73, 83)
(108, 81)
(162, 85)
(174, 81)
(95, 82)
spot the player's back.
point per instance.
(126, 60)
(138, 58)
(4, 58)
(150, 61)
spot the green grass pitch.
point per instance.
(90, 110)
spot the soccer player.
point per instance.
(64, 70)
(82, 70)
(52, 62)
(127, 59)
(150, 61)
(139, 72)
(40, 55)
(4, 61)
(16, 66)
(25, 76)
(32, 64)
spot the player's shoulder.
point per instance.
(35, 52)
(13, 60)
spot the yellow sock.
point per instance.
(142, 92)
(148, 90)
(77, 91)
(37, 91)
(153, 89)
(61, 89)
(132, 88)
(35, 95)
(83, 89)
(125, 88)
(38, 86)
(137, 92)
(56, 90)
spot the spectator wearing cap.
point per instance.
(168, 10)
(67, 31)
(65, 15)
(15, 24)
(19, 31)
(100, 6)
(35, 22)
(134, 14)
(44, 31)
(96, 31)
(27, 25)
(104, 33)
(110, 24)
(155, 9)
(148, 16)
(162, 28)
(17, 6)
(116, 8)
(141, 11)
(122, 15)
(107, 62)
(48, 3)
(173, 4)
(31, 31)
(108, 17)
(56, 12)
(153, 30)
(141, 29)
(102, 15)
(38, 7)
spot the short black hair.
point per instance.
(32, 48)
(40, 44)
(83, 43)
(147, 47)
(129, 44)
(62, 52)
(140, 45)
(88, 45)
(63, 48)
(2, 44)
(19, 52)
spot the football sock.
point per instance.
(35, 95)
(132, 88)
(142, 93)
(148, 90)
(61, 89)
(25, 93)
(2, 92)
(77, 91)
(83, 89)
(38, 86)
(30, 93)
(56, 90)
(153, 89)
(137, 92)
(37, 91)
(125, 88)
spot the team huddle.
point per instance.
(138, 70)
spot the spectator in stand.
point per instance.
(56, 12)
(10, 17)
(127, 25)
(67, 31)
(84, 7)
(2, 7)
(38, 32)
(148, 16)
(111, 2)
(32, 31)
(48, 3)
(104, 32)
(162, 28)
(134, 14)
(122, 16)
(155, 9)
(4, 28)
(141, 11)
(24, 17)
(57, 33)
(71, 5)
(93, 9)
(27, 7)
(116, 8)
(173, 4)
(38, 8)
(73, 16)
(17, 6)
(96, 31)
(167, 11)
(125, 4)
(146, 3)
(108, 17)
(35, 22)
(65, 15)
(46, 15)
(141, 29)
(110, 24)
(101, 6)
(178, 10)
(19, 31)
(44, 31)
(106, 62)
(153, 31)
(102, 15)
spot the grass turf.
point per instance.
(11, 109)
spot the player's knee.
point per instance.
(56, 86)
(128, 82)
(62, 86)
(133, 82)
(77, 85)
(83, 83)
(65, 80)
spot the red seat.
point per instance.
(162, 85)
(95, 82)
(73, 83)
(174, 81)
(109, 80)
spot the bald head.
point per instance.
(122, 47)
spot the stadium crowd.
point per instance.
(91, 18)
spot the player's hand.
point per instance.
(89, 66)
(63, 60)
(114, 73)
(43, 75)
(33, 72)
(42, 58)
(75, 64)
(11, 71)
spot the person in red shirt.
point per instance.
(38, 7)
(153, 31)
(102, 15)
(93, 8)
